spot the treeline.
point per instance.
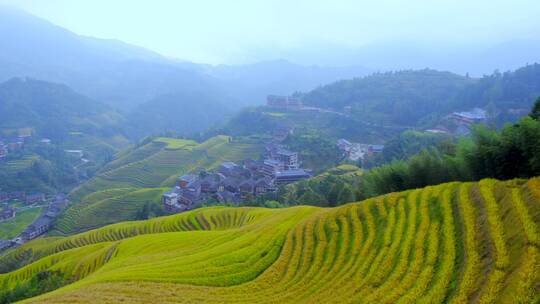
(511, 153)
(404, 146)
(334, 187)
(40, 283)
(316, 151)
(420, 97)
(38, 168)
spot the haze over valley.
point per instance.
(269, 151)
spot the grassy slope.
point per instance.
(12, 227)
(154, 164)
(13, 167)
(456, 242)
(141, 175)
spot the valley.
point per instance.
(269, 152)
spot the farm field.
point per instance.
(13, 227)
(106, 207)
(140, 175)
(159, 162)
(451, 243)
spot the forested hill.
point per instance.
(52, 110)
(185, 111)
(408, 97)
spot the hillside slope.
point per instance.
(139, 176)
(456, 243)
(185, 112)
(414, 97)
(160, 161)
(53, 110)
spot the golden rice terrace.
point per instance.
(452, 243)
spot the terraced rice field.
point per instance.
(12, 227)
(452, 243)
(106, 207)
(159, 163)
(12, 167)
(140, 176)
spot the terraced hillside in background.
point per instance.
(140, 175)
(452, 243)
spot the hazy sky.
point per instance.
(238, 31)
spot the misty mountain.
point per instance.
(124, 76)
(53, 110)
(252, 82)
(477, 60)
(184, 112)
(410, 96)
(113, 72)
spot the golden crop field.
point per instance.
(451, 243)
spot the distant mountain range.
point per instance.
(125, 76)
(158, 94)
(53, 110)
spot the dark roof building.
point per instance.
(376, 148)
(34, 198)
(7, 213)
(290, 176)
(37, 228)
(270, 167)
(229, 168)
(4, 244)
(185, 181)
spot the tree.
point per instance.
(535, 112)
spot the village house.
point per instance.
(185, 180)
(283, 102)
(229, 168)
(247, 188)
(17, 195)
(357, 151)
(7, 213)
(35, 198)
(4, 197)
(75, 153)
(476, 115)
(344, 144)
(170, 200)
(461, 122)
(270, 167)
(288, 160)
(15, 146)
(37, 228)
(264, 185)
(290, 176)
(5, 244)
(3, 150)
(376, 148)
(233, 182)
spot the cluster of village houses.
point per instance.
(357, 151)
(16, 143)
(11, 144)
(460, 123)
(457, 123)
(42, 224)
(235, 182)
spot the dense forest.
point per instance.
(513, 152)
(417, 97)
